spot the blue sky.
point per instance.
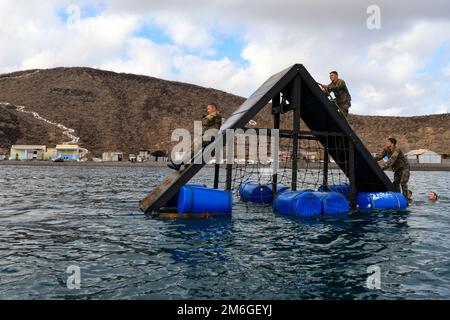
(401, 69)
(86, 10)
(226, 45)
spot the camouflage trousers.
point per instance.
(401, 178)
(344, 109)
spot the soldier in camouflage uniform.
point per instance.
(213, 120)
(399, 165)
(339, 88)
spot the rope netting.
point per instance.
(311, 159)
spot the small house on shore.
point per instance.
(446, 159)
(132, 157)
(50, 153)
(68, 152)
(144, 155)
(158, 156)
(423, 156)
(112, 156)
(27, 152)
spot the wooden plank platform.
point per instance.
(156, 193)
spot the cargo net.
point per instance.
(311, 165)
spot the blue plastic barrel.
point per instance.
(333, 203)
(204, 200)
(343, 189)
(280, 188)
(301, 203)
(173, 203)
(381, 200)
(252, 191)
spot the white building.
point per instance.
(112, 156)
(28, 152)
(144, 155)
(423, 156)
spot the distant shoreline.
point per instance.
(153, 164)
(81, 164)
(422, 167)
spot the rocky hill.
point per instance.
(125, 112)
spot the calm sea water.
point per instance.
(55, 217)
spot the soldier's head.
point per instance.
(391, 142)
(433, 196)
(212, 107)
(334, 75)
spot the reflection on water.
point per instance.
(52, 218)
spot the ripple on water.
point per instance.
(55, 217)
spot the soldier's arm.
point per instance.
(208, 120)
(391, 161)
(381, 156)
(340, 84)
(327, 87)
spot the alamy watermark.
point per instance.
(74, 279)
(73, 16)
(252, 146)
(374, 278)
(374, 19)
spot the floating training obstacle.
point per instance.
(310, 203)
(293, 91)
(252, 191)
(301, 203)
(195, 200)
(343, 189)
(333, 203)
(173, 203)
(381, 200)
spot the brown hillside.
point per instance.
(125, 112)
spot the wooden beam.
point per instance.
(285, 133)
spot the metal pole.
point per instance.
(276, 125)
(296, 102)
(229, 138)
(216, 175)
(351, 175)
(229, 176)
(326, 161)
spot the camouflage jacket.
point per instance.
(397, 160)
(212, 121)
(340, 90)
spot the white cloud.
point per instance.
(446, 71)
(143, 57)
(90, 42)
(33, 36)
(183, 31)
(442, 109)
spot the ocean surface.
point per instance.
(87, 218)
